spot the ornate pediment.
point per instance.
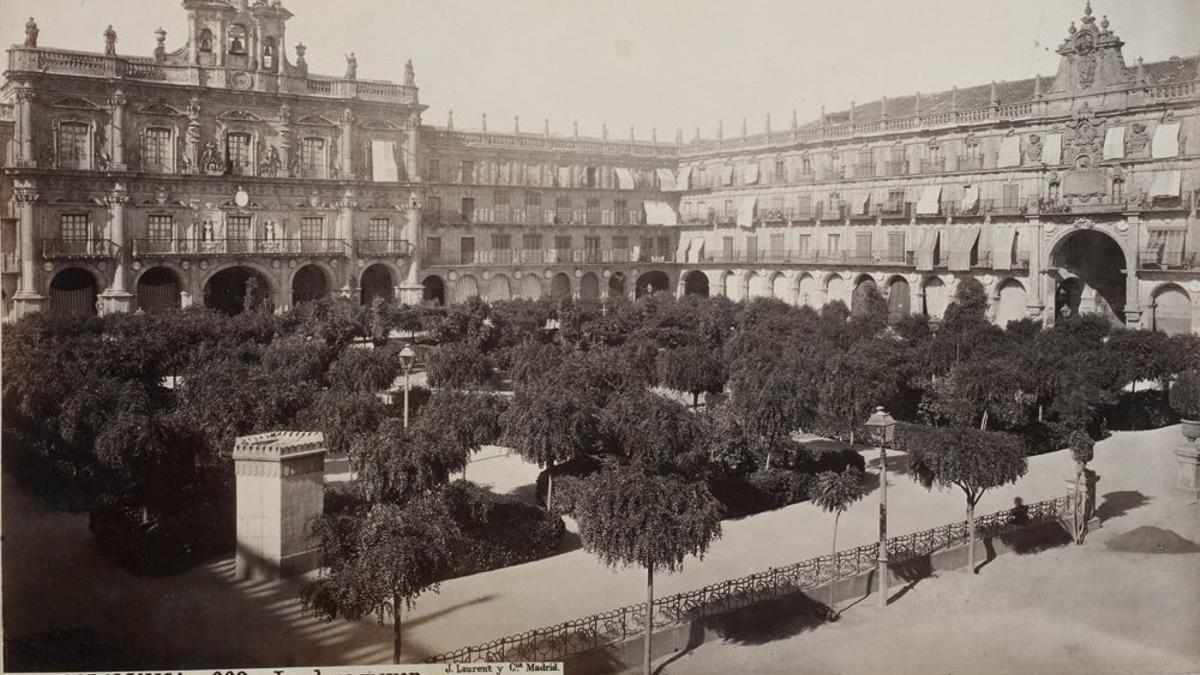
(159, 108)
(316, 121)
(76, 103)
(240, 116)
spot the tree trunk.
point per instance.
(396, 628)
(649, 616)
(695, 400)
(1041, 411)
(852, 439)
(971, 536)
(983, 422)
(549, 485)
(836, 515)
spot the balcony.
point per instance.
(895, 210)
(896, 168)
(936, 165)
(68, 249)
(970, 162)
(382, 248)
(864, 170)
(1066, 205)
(1004, 207)
(290, 247)
(550, 256)
(814, 256)
(1159, 259)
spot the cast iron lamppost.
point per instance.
(882, 429)
(407, 356)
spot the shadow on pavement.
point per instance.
(1119, 503)
(771, 620)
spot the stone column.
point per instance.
(347, 149)
(192, 141)
(1187, 468)
(1133, 310)
(27, 300)
(116, 298)
(280, 488)
(25, 98)
(1035, 298)
(411, 151)
(285, 139)
(412, 292)
(116, 132)
(346, 206)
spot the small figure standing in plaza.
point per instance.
(110, 41)
(31, 33)
(351, 66)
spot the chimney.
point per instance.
(604, 131)
(575, 128)
(853, 105)
(917, 105)
(743, 127)
(546, 127)
(795, 121)
(450, 120)
(516, 124)
(720, 130)
(767, 124)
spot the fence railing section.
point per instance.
(270, 247)
(555, 643)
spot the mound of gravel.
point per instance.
(1150, 539)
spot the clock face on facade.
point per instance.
(241, 80)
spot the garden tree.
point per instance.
(378, 564)
(870, 313)
(835, 492)
(342, 416)
(337, 323)
(155, 454)
(519, 321)
(1082, 451)
(1143, 355)
(467, 420)
(973, 460)
(716, 318)
(298, 358)
(396, 465)
(854, 382)
(695, 369)
(724, 442)
(980, 389)
(964, 328)
(651, 430)
(369, 370)
(771, 399)
(572, 317)
(629, 516)
(530, 360)
(379, 320)
(468, 321)
(408, 318)
(633, 362)
(458, 365)
(550, 420)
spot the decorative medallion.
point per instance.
(292, 263)
(136, 265)
(241, 80)
(549, 274)
(578, 274)
(48, 267)
(518, 274)
(241, 197)
(1048, 227)
(203, 264)
(275, 263)
(186, 264)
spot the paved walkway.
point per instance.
(205, 618)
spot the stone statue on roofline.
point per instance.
(31, 33)
(110, 41)
(351, 66)
(410, 78)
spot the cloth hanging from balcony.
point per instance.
(1010, 151)
(1003, 237)
(684, 180)
(929, 203)
(660, 213)
(1166, 184)
(564, 176)
(682, 250)
(383, 162)
(1114, 143)
(666, 180)
(624, 179)
(970, 198)
(696, 254)
(1052, 149)
(637, 253)
(750, 174)
(863, 204)
(727, 174)
(745, 213)
(1166, 141)
(925, 253)
(962, 240)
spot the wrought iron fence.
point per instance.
(555, 643)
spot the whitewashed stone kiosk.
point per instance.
(280, 490)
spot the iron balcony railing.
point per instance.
(382, 247)
(1161, 259)
(147, 248)
(970, 162)
(937, 165)
(552, 256)
(813, 256)
(78, 249)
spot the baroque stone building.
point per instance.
(150, 182)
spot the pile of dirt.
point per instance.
(1150, 539)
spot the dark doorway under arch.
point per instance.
(1097, 263)
(695, 283)
(309, 285)
(73, 293)
(560, 287)
(435, 289)
(651, 283)
(236, 289)
(376, 282)
(158, 290)
(858, 298)
(616, 285)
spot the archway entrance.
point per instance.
(695, 283)
(899, 299)
(560, 287)
(376, 282)
(858, 298)
(935, 299)
(435, 289)
(651, 283)
(1172, 311)
(158, 291)
(616, 285)
(73, 293)
(1011, 302)
(236, 289)
(309, 285)
(1097, 264)
(589, 287)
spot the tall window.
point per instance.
(468, 171)
(1012, 195)
(237, 228)
(621, 209)
(1118, 190)
(806, 165)
(562, 210)
(590, 177)
(502, 199)
(804, 206)
(312, 158)
(805, 244)
(433, 248)
(73, 145)
(593, 211)
(433, 208)
(237, 153)
(501, 242)
(160, 228)
(701, 178)
(379, 229)
(780, 171)
(563, 246)
(73, 226)
(531, 242)
(591, 249)
(433, 171)
(312, 227)
(156, 150)
(835, 242)
(468, 209)
(620, 243)
(729, 207)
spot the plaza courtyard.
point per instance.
(1082, 609)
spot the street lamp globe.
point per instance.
(407, 356)
(881, 427)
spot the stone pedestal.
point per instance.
(1187, 470)
(26, 303)
(411, 295)
(280, 490)
(113, 301)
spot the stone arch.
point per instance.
(807, 291)
(465, 288)
(560, 286)
(1011, 302)
(589, 287)
(899, 298)
(783, 288)
(73, 292)
(227, 288)
(695, 282)
(1171, 310)
(936, 297)
(757, 286)
(498, 288)
(649, 283)
(310, 283)
(616, 285)
(158, 289)
(433, 289)
(835, 288)
(376, 281)
(1100, 263)
(531, 286)
(862, 286)
(731, 286)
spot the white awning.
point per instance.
(681, 251)
(1052, 149)
(1166, 184)
(750, 174)
(970, 198)
(1166, 141)
(660, 213)
(745, 213)
(670, 217)
(864, 204)
(1002, 246)
(1114, 143)
(1010, 151)
(929, 241)
(961, 242)
(696, 253)
(564, 176)
(666, 179)
(727, 174)
(383, 162)
(928, 204)
(624, 179)
(682, 183)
